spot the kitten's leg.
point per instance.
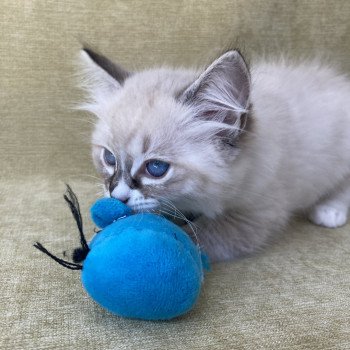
(234, 235)
(333, 211)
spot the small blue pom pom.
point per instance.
(107, 210)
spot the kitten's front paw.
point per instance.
(329, 216)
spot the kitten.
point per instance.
(241, 150)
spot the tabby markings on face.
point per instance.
(131, 181)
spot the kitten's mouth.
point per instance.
(143, 208)
(178, 218)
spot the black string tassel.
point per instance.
(79, 254)
(74, 206)
(64, 263)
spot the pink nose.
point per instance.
(121, 192)
(124, 198)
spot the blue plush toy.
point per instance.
(138, 266)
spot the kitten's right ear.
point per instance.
(221, 94)
(100, 76)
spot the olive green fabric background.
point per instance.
(294, 295)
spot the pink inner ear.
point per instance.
(219, 115)
(209, 114)
(222, 92)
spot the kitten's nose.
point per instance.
(121, 192)
(124, 199)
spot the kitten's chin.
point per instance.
(144, 208)
(175, 216)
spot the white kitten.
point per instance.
(240, 150)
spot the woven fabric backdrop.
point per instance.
(294, 295)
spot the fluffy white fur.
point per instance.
(246, 150)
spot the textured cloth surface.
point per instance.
(294, 295)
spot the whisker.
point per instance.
(178, 214)
(190, 225)
(172, 206)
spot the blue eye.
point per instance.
(109, 157)
(157, 168)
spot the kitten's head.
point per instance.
(167, 137)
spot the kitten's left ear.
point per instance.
(222, 92)
(101, 76)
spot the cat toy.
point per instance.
(138, 265)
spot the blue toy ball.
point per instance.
(139, 265)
